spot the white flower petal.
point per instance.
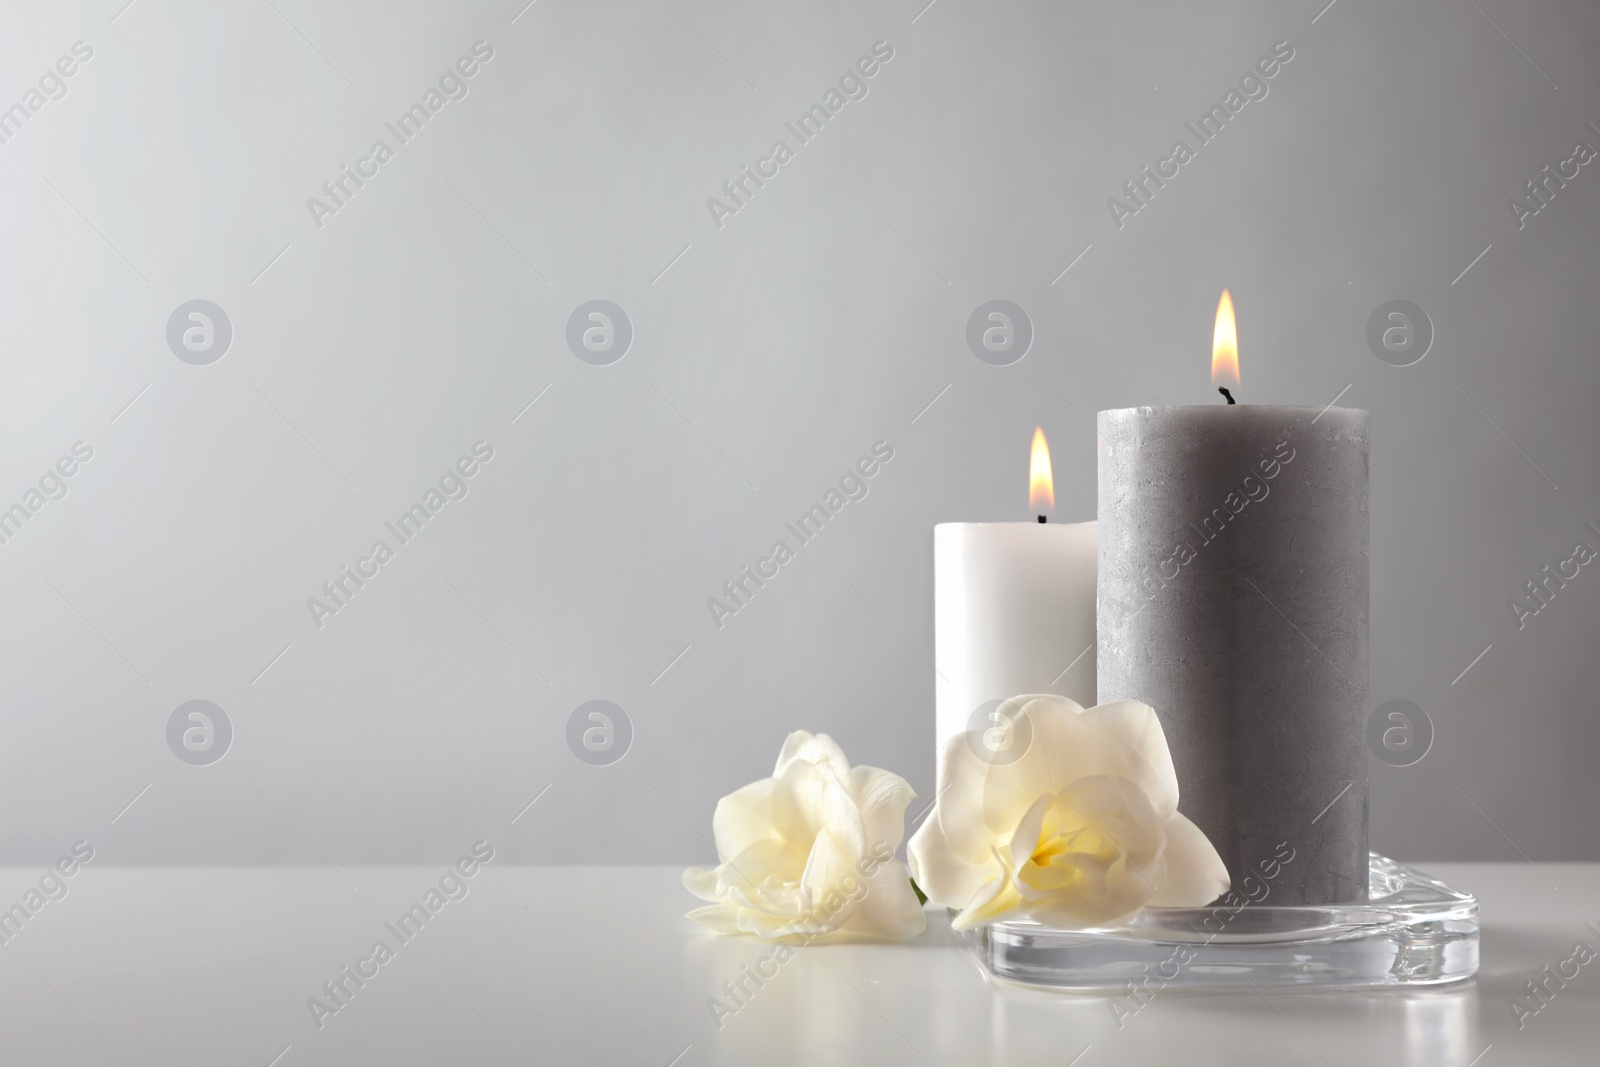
(743, 818)
(889, 910)
(1119, 813)
(1081, 830)
(1147, 760)
(796, 800)
(1120, 740)
(947, 877)
(959, 805)
(881, 797)
(819, 750)
(769, 926)
(794, 848)
(830, 876)
(723, 918)
(1195, 874)
(1025, 838)
(808, 800)
(997, 899)
(763, 861)
(702, 882)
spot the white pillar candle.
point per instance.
(1014, 610)
(1014, 607)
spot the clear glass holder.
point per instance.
(1413, 930)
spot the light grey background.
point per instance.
(369, 354)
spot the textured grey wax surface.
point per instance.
(1232, 597)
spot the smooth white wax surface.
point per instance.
(1014, 607)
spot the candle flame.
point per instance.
(1041, 486)
(1225, 345)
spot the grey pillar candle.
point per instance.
(1232, 598)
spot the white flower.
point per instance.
(808, 854)
(1082, 830)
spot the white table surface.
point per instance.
(550, 965)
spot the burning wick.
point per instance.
(1225, 349)
(1041, 485)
